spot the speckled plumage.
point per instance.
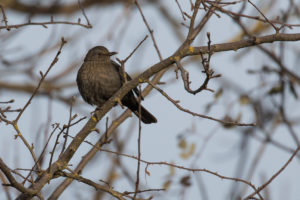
(99, 78)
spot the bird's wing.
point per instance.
(118, 67)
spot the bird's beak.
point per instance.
(112, 53)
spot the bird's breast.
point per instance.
(101, 79)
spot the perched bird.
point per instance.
(99, 78)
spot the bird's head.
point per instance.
(98, 52)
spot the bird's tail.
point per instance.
(146, 116)
(131, 102)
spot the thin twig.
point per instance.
(42, 154)
(71, 118)
(275, 175)
(44, 24)
(4, 18)
(85, 16)
(179, 167)
(7, 102)
(267, 20)
(139, 148)
(196, 114)
(149, 29)
(134, 50)
(181, 11)
(7, 171)
(43, 76)
(97, 186)
(122, 62)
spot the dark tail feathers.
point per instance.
(146, 116)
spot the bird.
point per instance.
(99, 78)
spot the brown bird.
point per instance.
(99, 78)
